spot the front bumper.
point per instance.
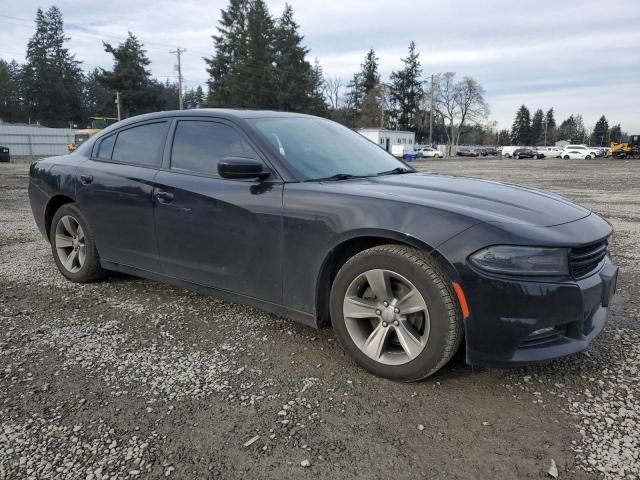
(519, 322)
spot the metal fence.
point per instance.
(35, 141)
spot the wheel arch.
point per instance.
(52, 207)
(355, 242)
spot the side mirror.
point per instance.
(241, 168)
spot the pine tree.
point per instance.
(406, 90)
(615, 134)
(370, 75)
(98, 100)
(52, 79)
(198, 97)
(316, 103)
(230, 48)
(10, 95)
(550, 123)
(254, 79)
(293, 71)
(139, 93)
(371, 110)
(521, 128)
(600, 134)
(504, 137)
(537, 128)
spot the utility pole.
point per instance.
(178, 52)
(118, 104)
(431, 116)
(383, 87)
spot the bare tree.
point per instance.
(332, 87)
(461, 104)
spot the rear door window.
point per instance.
(198, 146)
(141, 145)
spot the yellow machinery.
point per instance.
(97, 124)
(630, 149)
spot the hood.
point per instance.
(484, 200)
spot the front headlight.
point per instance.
(516, 260)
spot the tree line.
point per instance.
(541, 129)
(261, 62)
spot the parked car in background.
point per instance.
(587, 152)
(551, 152)
(572, 154)
(491, 151)
(4, 154)
(305, 218)
(428, 152)
(402, 150)
(481, 151)
(599, 152)
(466, 152)
(507, 151)
(526, 152)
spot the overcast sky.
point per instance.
(577, 56)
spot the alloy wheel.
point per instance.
(386, 317)
(70, 243)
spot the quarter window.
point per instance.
(140, 145)
(199, 145)
(106, 147)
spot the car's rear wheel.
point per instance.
(395, 313)
(72, 244)
(566, 157)
(587, 157)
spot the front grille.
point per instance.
(584, 260)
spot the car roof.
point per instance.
(227, 113)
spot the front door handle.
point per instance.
(86, 179)
(164, 197)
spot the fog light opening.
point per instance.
(542, 331)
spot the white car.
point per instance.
(587, 152)
(426, 152)
(573, 153)
(551, 152)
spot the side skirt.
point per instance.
(275, 309)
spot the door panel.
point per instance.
(220, 233)
(117, 201)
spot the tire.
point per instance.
(438, 326)
(587, 157)
(70, 233)
(517, 157)
(567, 157)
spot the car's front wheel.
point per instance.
(72, 244)
(395, 313)
(567, 157)
(587, 157)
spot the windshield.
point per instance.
(320, 149)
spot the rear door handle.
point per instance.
(164, 197)
(86, 179)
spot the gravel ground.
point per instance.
(127, 378)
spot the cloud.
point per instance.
(580, 56)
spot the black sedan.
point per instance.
(304, 218)
(527, 153)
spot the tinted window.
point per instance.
(198, 146)
(140, 145)
(106, 147)
(319, 148)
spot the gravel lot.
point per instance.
(132, 379)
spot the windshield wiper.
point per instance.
(333, 178)
(397, 171)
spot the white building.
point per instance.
(387, 138)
